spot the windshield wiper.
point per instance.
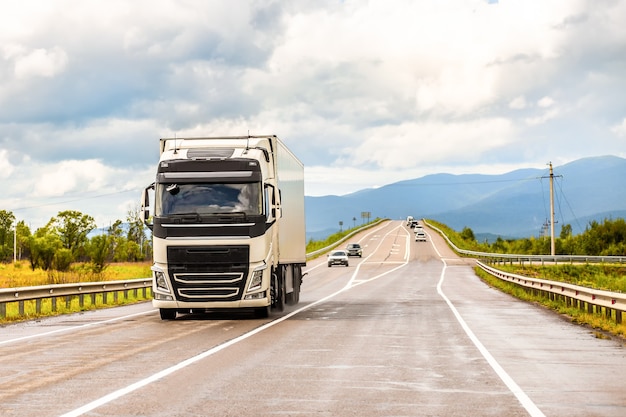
(192, 217)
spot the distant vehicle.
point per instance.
(409, 220)
(420, 235)
(354, 249)
(338, 257)
(414, 223)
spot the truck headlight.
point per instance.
(159, 280)
(257, 279)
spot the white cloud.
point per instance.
(543, 118)
(518, 103)
(620, 129)
(365, 93)
(429, 143)
(41, 63)
(6, 168)
(545, 102)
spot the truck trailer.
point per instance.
(228, 227)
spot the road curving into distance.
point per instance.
(407, 329)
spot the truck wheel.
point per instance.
(293, 298)
(167, 313)
(278, 295)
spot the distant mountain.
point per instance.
(515, 204)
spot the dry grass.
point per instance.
(21, 275)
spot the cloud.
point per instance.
(6, 168)
(365, 93)
(41, 63)
(620, 129)
(429, 143)
(518, 103)
(545, 102)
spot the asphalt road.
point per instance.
(406, 330)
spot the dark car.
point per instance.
(354, 249)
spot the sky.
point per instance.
(365, 93)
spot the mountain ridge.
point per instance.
(514, 204)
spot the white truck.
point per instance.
(227, 219)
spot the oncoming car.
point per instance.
(338, 257)
(354, 249)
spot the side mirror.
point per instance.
(145, 206)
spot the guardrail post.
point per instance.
(93, 299)
(104, 297)
(53, 302)
(38, 306)
(81, 300)
(68, 302)
(3, 310)
(21, 308)
(618, 316)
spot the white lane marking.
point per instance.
(522, 397)
(162, 374)
(358, 267)
(69, 329)
(360, 240)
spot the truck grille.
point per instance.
(205, 274)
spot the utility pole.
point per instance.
(552, 244)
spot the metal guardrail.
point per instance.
(69, 291)
(573, 295)
(613, 303)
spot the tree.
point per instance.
(23, 236)
(468, 234)
(566, 231)
(99, 250)
(7, 219)
(43, 246)
(72, 228)
(136, 232)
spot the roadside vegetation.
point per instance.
(599, 239)
(19, 274)
(68, 249)
(607, 238)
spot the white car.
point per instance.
(420, 235)
(338, 257)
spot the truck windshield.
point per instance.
(211, 198)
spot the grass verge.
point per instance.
(598, 322)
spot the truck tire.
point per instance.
(167, 313)
(293, 298)
(278, 291)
